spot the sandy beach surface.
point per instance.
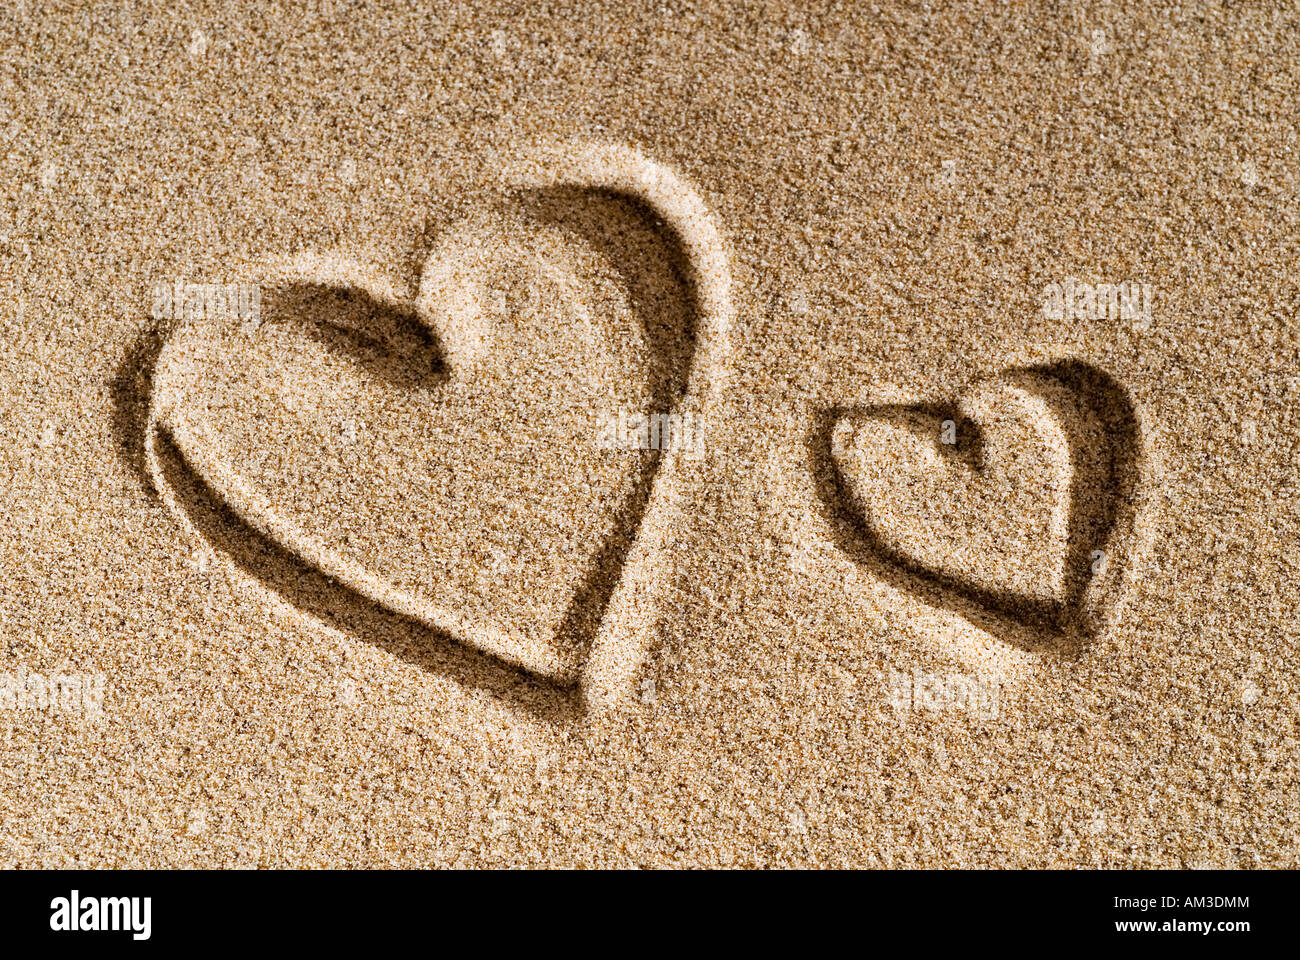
(649, 435)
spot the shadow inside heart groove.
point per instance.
(395, 346)
(1102, 501)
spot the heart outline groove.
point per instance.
(1106, 489)
(616, 602)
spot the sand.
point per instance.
(984, 318)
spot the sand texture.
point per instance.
(668, 435)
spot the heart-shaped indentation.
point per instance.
(1014, 505)
(440, 456)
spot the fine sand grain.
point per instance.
(668, 435)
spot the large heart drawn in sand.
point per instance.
(438, 454)
(1014, 505)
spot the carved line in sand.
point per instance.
(1027, 527)
(629, 612)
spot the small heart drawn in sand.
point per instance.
(437, 454)
(1011, 505)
